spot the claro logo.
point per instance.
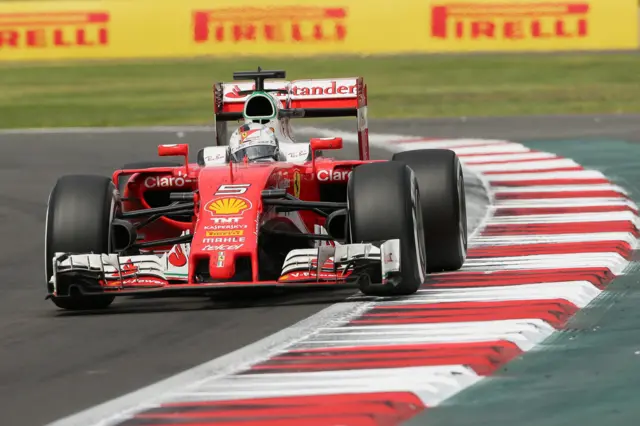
(506, 21)
(334, 175)
(270, 24)
(54, 30)
(166, 182)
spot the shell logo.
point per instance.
(228, 206)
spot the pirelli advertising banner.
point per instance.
(33, 30)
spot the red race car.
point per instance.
(292, 218)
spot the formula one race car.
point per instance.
(222, 223)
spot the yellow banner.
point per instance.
(186, 28)
(516, 25)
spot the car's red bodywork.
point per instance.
(229, 209)
(220, 241)
(244, 207)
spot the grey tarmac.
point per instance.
(53, 364)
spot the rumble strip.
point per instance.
(555, 235)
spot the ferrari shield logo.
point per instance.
(248, 134)
(296, 184)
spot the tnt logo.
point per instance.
(509, 21)
(270, 24)
(54, 30)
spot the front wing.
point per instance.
(147, 273)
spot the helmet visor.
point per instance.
(255, 152)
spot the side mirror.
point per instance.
(175, 150)
(318, 144)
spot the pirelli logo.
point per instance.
(536, 20)
(270, 25)
(233, 233)
(54, 30)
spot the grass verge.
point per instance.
(179, 91)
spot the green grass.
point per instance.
(179, 92)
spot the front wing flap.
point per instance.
(342, 263)
(326, 264)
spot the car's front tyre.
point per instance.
(384, 204)
(80, 211)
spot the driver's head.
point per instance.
(255, 141)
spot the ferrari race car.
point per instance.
(219, 224)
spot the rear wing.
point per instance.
(315, 98)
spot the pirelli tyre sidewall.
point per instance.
(442, 195)
(80, 211)
(384, 204)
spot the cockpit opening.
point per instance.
(259, 107)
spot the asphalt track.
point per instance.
(53, 364)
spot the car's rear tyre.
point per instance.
(79, 215)
(384, 204)
(444, 209)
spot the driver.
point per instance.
(254, 141)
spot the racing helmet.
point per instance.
(254, 141)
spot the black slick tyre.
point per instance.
(384, 204)
(79, 215)
(444, 209)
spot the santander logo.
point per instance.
(177, 257)
(345, 88)
(127, 269)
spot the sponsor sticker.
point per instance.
(127, 269)
(223, 227)
(220, 263)
(301, 153)
(270, 25)
(140, 282)
(166, 182)
(177, 257)
(228, 206)
(54, 30)
(309, 275)
(296, 184)
(223, 240)
(334, 175)
(216, 157)
(231, 233)
(224, 223)
(225, 247)
(510, 21)
(305, 89)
